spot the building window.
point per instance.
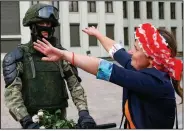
(182, 8)
(126, 41)
(91, 6)
(73, 6)
(136, 9)
(108, 6)
(124, 9)
(172, 8)
(149, 10)
(92, 39)
(182, 35)
(74, 35)
(173, 30)
(161, 10)
(10, 25)
(110, 31)
(10, 18)
(9, 44)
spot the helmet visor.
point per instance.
(47, 11)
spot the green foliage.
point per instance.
(54, 121)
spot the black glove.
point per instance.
(27, 123)
(85, 121)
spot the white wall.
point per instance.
(25, 31)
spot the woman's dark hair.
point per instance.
(172, 45)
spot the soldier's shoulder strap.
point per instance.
(59, 46)
(25, 48)
(74, 68)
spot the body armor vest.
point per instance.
(43, 83)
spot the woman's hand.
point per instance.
(106, 42)
(52, 53)
(91, 31)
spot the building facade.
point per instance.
(116, 19)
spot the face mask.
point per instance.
(37, 32)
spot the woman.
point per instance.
(149, 98)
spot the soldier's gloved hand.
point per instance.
(85, 121)
(27, 123)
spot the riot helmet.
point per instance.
(41, 13)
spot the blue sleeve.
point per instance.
(136, 81)
(104, 70)
(132, 80)
(123, 58)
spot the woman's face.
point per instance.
(139, 59)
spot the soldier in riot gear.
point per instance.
(32, 84)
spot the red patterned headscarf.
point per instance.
(155, 46)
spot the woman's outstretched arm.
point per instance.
(133, 80)
(88, 64)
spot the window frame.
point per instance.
(92, 37)
(72, 9)
(161, 15)
(175, 35)
(107, 7)
(90, 10)
(126, 43)
(149, 9)
(137, 10)
(173, 10)
(75, 24)
(125, 9)
(15, 36)
(113, 25)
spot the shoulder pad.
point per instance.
(12, 57)
(9, 65)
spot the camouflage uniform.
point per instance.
(32, 84)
